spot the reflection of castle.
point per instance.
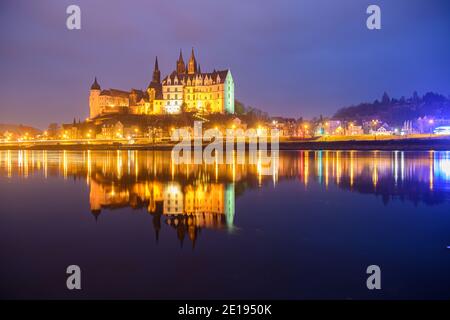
(199, 205)
(190, 197)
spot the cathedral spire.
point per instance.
(181, 67)
(156, 64)
(192, 65)
(156, 73)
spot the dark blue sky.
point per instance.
(288, 57)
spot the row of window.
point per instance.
(192, 97)
(191, 90)
(198, 204)
(189, 97)
(191, 83)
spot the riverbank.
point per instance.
(419, 144)
(388, 145)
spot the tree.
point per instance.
(239, 107)
(52, 129)
(431, 104)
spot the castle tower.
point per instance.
(156, 73)
(181, 67)
(94, 103)
(192, 65)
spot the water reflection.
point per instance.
(190, 197)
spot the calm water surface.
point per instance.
(142, 227)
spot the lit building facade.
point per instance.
(186, 89)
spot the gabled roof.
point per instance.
(182, 76)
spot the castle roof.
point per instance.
(215, 76)
(115, 93)
(95, 85)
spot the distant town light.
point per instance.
(444, 130)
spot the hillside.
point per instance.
(18, 129)
(396, 111)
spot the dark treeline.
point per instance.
(396, 111)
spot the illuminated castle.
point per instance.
(186, 89)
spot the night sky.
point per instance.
(288, 57)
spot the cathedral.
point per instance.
(186, 89)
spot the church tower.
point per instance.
(156, 73)
(181, 67)
(154, 89)
(192, 65)
(94, 101)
